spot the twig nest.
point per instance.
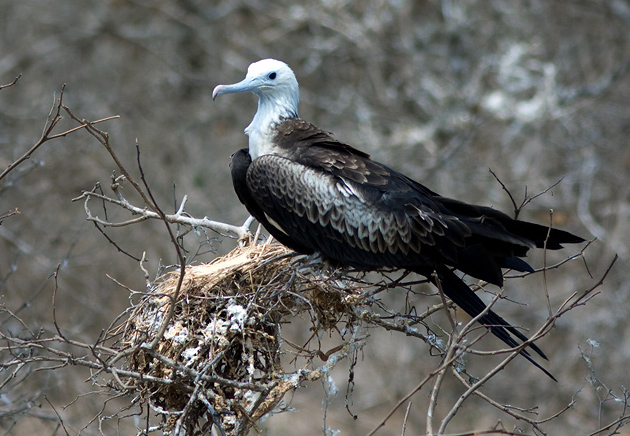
(218, 361)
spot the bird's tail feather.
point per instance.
(461, 294)
(541, 235)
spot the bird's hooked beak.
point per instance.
(248, 84)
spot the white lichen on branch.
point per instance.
(224, 340)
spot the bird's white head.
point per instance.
(278, 95)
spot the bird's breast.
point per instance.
(260, 143)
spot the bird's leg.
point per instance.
(314, 260)
(247, 238)
(314, 264)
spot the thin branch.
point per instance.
(47, 135)
(143, 214)
(180, 256)
(103, 138)
(12, 83)
(569, 304)
(405, 419)
(527, 199)
(58, 416)
(580, 255)
(617, 423)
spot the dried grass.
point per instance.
(223, 346)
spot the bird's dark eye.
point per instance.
(272, 75)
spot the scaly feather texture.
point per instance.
(318, 195)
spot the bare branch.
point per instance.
(181, 217)
(526, 199)
(55, 113)
(12, 83)
(103, 138)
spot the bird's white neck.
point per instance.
(271, 110)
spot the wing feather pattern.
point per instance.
(314, 206)
(319, 195)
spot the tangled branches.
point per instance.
(220, 357)
(205, 347)
(219, 362)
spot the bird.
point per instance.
(320, 196)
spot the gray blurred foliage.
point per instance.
(537, 91)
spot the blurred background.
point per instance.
(536, 91)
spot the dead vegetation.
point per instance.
(223, 348)
(440, 90)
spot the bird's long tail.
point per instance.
(461, 294)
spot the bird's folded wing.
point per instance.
(329, 209)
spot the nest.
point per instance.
(218, 361)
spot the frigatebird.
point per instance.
(317, 195)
